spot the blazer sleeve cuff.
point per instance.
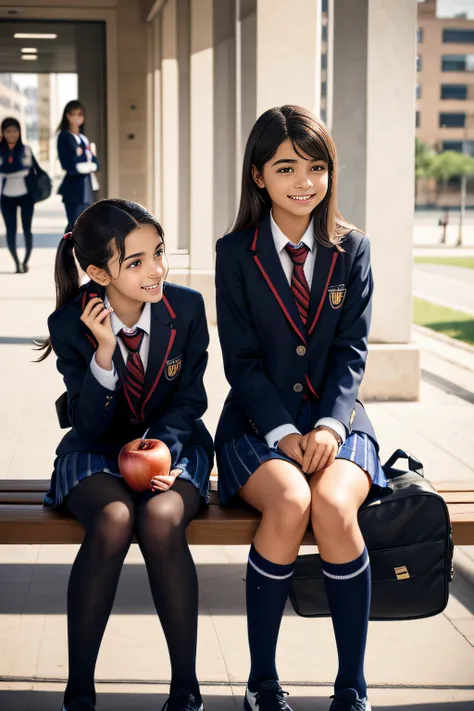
(275, 435)
(335, 425)
(107, 378)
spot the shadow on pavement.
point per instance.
(51, 701)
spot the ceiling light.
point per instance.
(30, 57)
(29, 50)
(33, 35)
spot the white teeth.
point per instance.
(150, 288)
(300, 197)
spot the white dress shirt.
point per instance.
(274, 436)
(109, 378)
(15, 185)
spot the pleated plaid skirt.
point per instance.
(240, 457)
(76, 466)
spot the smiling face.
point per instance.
(139, 278)
(295, 184)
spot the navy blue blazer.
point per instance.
(174, 398)
(270, 358)
(76, 187)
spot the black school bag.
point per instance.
(409, 538)
(38, 182)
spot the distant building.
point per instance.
(12, 100)
(445, 85)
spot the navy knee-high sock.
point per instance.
(348, 590)
(268, 585)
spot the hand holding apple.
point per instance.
(142, 460)
(163, 483)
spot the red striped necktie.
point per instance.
(299, 285)
(135, 372)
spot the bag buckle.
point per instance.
(402, 572)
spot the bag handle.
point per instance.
(414, 464)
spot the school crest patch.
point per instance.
(173, 367)
(337, 294)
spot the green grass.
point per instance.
(466, 262)
(455, 324)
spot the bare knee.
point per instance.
(289, 514)
(113, 529)
(332, 512)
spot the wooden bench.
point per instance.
(24, 520)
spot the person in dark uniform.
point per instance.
(132, 349)
(78, 158)
(16, 162)
(294, 292)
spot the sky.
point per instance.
(451, 8)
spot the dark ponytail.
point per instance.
(99, 230)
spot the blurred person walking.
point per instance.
(16, 163)
(77, 157)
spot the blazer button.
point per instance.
(301, 350)
(298, 388)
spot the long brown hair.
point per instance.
(101, 227)
(308, 135)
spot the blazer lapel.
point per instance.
(326, 258)
(268, 262)
(162, 336)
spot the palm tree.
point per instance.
(451, 164)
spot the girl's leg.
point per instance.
(337, 494)
(9, 210)
(73, 210)
(27, 208)
(281, 492)
(105, 507)
(161, 534)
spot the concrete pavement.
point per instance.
(420, 665)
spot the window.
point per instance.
(457, 63)
(452, 36)
(454, 91)
(452, 120)
(418, 63)
(324, 61)
(419, 35)
(452, 146)
(417, 119)
(418, 91)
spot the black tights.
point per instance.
(9, 207)
(111, 513)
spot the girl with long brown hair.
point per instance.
(294, 291)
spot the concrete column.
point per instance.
(374, 128)
(170, 124)
(201, 247)
(288, 53)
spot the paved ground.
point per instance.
(445, 285)
(421, 665)
(427, 232)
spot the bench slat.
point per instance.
(42, 485)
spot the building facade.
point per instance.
(445, 84)
(185, 81)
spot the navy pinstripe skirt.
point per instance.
(76, 466)
(240, 457)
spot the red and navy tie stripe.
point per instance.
(299, 284)
(135, 372)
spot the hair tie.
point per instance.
(69, 235)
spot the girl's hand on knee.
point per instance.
(292, 446)
(320, 449)
(163, 483)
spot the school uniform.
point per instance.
(79, 163)
(97, 405)
(286, 375)
(15, 166)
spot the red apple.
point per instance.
(141, 460)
